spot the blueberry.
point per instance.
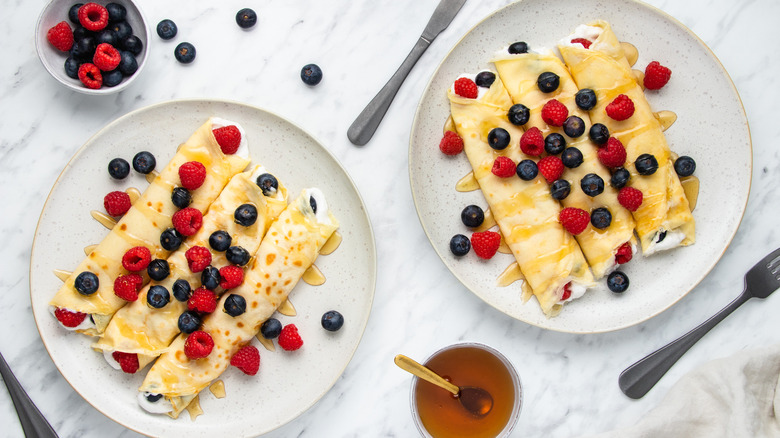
(80, 32)
(153, 398)
(460, 245)
(572, 157)
(127, 63)
(210, 278)
(158, 270)
(527, 170)
(548, 82)
(86, 283)
(220, 240)
(574, 126)
(73, 13)
(684, 166)
(184, 53)
(237, 255)
(268, 184)
(235, 305)
(646, 164)
(472, 216)
(592, 184)
(72, 67)
(121, 29)
(245, 214)
(617, 282)
(116, 12)
(106, 36)
(518, 114)
(112, 78)
(83, 48)
(518, 47)
(560, 189)
(598, 133)
(118, 168)
(271, 328)
(189, 322)
(182, 290)
(332, 320)
(554, 143)
(661, 236)
(144, 162)
(600, 218)
(311, 74)
(620, 178)
(166, 29)
(132, 44)
(485, 79)
(313, 204)
(158, 296)
(585, 99)
(246, 18)
(498, 138)
(170, 239)
(181, 197)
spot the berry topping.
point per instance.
(220, 240)
(498, 138)
(465, 87)
(202, 301)
(332, 321)
(485, 79)
(158, 296)
(90, 76)
(228, 138)
(554, 143)
(235, 305)
(646, 164)
(230, 277)
(189, 322)
(532, 142)
(621, 108)
(560, 189)
(116, 12)
(571, 157)
(600, 218)
(184, 53)
(86, 283)
(485, 243)
(472, 216)
(575, 220)
(585, 43)
(554, 113)
(117, 203)
(192, 174)
(268, 184)
(624, 254)
(181, 197)
(127, 286)
(630, 198)
(503, 167)
(617, 282)
(170, 239)
(527, 170)
(237, 255)
(289, 339)
(198, 345)
(574, 126)
(548, 82)
(247, 359)
(656, 76)
(245, 214)
(613, 154)
(246, 18)
(451, 143)
(158, 270)
(551, 168)
(106, 57)
(585, 99)
(60, 36)
(518, 47)
(187, 221)
(69, 319)
(620, 178)
(684, 166)
(118, 168)
(93, 16)
(271, 328)
(518, 114)
(127, 361)
(182, 290)
(311, 74)
(460, 245)
(198, 258)
(144, 162)
(598, 133)
(592, 184)
(136, 259)
(166, 29)
(566, 292)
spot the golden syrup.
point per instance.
(89, 248)
(331, 244)
(639, 75)
(665, 118)
(267, 343)
(468, 183)
(510, 275)
(194, 408)
(62, 274)
(690, 186)
(503, 248)
(488, 223)
(313, 276)
(151, 176)
(104, 219)
(632, 54)
(449, 124)
(287, 308)
(218, 389)
(134, 194)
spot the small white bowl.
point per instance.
(54, 60)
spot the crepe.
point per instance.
(519, 73)
(548, 256)
(141, 329)
(287, 251)
(142, 225)
(664, 219)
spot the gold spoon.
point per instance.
(475, 400)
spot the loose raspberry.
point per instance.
(585, 43)
(229, 138)
(532, 142)
(613, 154)
(289, 339)
(60, 36)
(202, 300)
(575, 220)
(117, 203)
(136, 259)
(247, 359)
(656, 76)
(551, 168)
(630, 198)
(106, 57)
(504, 167)
(554, 113)
(127, 286)
(69, 319)
(465, 87)
(451, 143)
(624, 254)
(198, 257)
(485, 243)
(567, 288)
(198, 345)
(187, 221)
(128, 361)
(192, 174)
(232, 276)
(93, 16)
(90, 76)
(621, 108)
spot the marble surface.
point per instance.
(570, 381)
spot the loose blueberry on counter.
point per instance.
(518, 47)
(498, 138)
(72, 67)
(237, 255)
(158, 270)
(181, 197)
(585, 99)
(617, 282)
(245, 214)
(118, 168)
(132, 44)
(246, 18)
(170, 239)
(182, 290)
(189, 322)
(121, 29)
(592, 184)
(210, 277)
(600, 218)
(332, 321)
(620, 178)
(127, 63)
(86, 283)
(574, 126)
(684, 166)
(220, 240)
(572, 157)
(235, 305)
(548, 82)
(167, 29)
(311, 74)
(460, 245)
(116, 12)
(158, 296)
(313, 204)
(184, 53)
(554, 143)
(646, 164)
(472, 216)
(485, 79)
(598, 133)
(271, 328)
(73, 13)
(527, 170)
(106, 36)
(560, 189)
(518, 114)
(112, 78)
(268, 184)
(144, 162)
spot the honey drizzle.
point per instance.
(287, 308)
(218, 389)
(510, 275)
(639, 75)
(103, 219)
(632, 54)
(331, 244)
(267, 343)
(468, 183)
(488, 222)
(503, 248)
(194, 408)
(62, 274)
(690, 186)
(151, 176)
(134, 194)
(665, 118)
(89, 248)
(449, 124)
(313, 276)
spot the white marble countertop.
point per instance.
(570, 381)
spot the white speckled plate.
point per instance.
(711, 127)
(288, 382)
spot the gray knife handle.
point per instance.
(33, 422)
(365, 125)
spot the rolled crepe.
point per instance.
(664, 219)
(147, 331)
(519, 73)
(142, 225)
(287, 251)
(548, 256)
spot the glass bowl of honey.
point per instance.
(439, 414)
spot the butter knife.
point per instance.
(365, 125)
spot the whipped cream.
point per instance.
(86, 324)
(161, 406)
(577, 290)
(108, 355)
(614, 264)
(480, 90)
(243, 147)
(322, 205)
(590, 33)
(672, 240)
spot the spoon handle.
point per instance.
(424, 373)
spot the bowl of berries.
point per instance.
(95, 47)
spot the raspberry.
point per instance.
(127, 286)
(551, 168)
(60, 36)
(630, 198)
(90, 76)
(554, 113)
(532, 142)
(68, 318)
(575, 220)
(192, 174)
(187, 221)
(624, 254)
(232, 276)
(93, 16)
(289, 339)
(566, 288)
(585, 43)
(136, 259)
(656, 76)
(247, 359)
(451, 143)
(106, 57)
(202, 300)
(621, 108)
(613, 154)
(465, 87)
(229, 138)
(504, 167)
(117, 203)
(198, 345)
(485, 243)
(198, 257)
(128, 361)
